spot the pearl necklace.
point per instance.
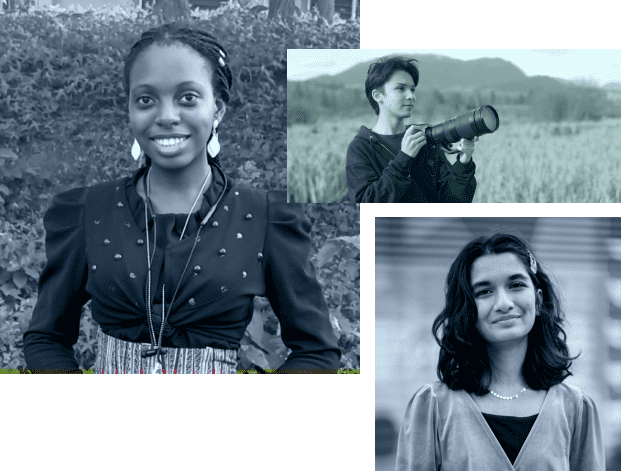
(507, 398)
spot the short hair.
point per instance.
(200, 41)
(380, 72)
(463, 359)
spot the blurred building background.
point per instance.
(412, 259)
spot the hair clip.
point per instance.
(533, 263)
(221, 61)
(221, 52)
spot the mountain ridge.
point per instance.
(442, 72)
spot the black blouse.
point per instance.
(255, 244)
(511, 431)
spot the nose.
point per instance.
(167, 114)
(503, 302)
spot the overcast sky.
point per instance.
(600, 66)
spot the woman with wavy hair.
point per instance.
(501, 403)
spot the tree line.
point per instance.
(307, 103)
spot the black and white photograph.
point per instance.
(497, 343)
(145, 227)
(454, 125)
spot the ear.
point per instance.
(377, 95)
(220, 110)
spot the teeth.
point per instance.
(170, 142)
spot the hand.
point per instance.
(413, 140)
(466, 147)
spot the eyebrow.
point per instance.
(485, 283)
(187, 83)
(405, 85)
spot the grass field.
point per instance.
(521, 162)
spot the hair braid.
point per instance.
(201, 42)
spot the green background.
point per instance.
(304, 422)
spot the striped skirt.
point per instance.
(115, 356)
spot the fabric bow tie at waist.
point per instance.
(115, 356)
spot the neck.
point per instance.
(389, 124)
(184, 183)
(506, 361)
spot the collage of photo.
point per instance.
(438, 217)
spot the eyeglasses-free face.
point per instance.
(172, 104)
(505, 297)
(398, 96)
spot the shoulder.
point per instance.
(271, 203)
(68, 204)
(435, 400)
(247, 193)
(257, 197)
(288, 214)
(568, 394)
(436, 391)
(65, 209)
(573, 402)
(362, 139)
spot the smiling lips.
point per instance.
(504, 318)
(171, 140)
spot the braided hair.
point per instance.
(200, 41)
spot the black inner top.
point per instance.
(511, 431)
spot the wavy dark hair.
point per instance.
(464, 362)
(198, 40)
(380, 72)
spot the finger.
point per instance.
(410, 131)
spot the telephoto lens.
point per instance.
(477, 122)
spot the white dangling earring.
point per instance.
(213, 148)
(137, 152)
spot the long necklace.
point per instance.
(507, 398)
(158, 350)
(195, 201)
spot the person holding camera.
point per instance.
(392, 163)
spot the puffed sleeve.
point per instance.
(55, 323)
(417, 448)
(587, 447)
(293, 290)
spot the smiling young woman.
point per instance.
(173, 256)
(500, 403)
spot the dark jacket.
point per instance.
(255, 244)
(379, 172)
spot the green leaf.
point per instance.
(32, 273)
(352, 268)
(327, 252)
(19, 279)
(4, 189)
(355, 240)
(8, 154)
